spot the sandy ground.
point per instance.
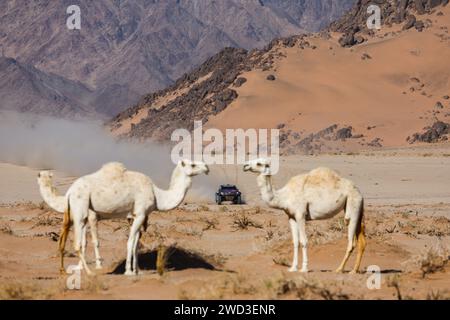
(243, 251)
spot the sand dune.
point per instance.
(315, 88)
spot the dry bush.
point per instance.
(210, 223)
(255, 210)
(211, 290)
(269, 235)
(243, 222)
(6, 228)
(433, 260)
(337, 225)
(304, 288)
(394, 282)
(438, 295)
(46, 219)
(184, 295)
(203, 207)
(181, 219)
(93, 284)
(405, 223)
(44, 206)
(189, 231)
(30, 205)
(391, 229)
(153, 234)
(22, 291)
(220, 288)
(282, 261)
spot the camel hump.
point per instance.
(322, 177)
(113, 169)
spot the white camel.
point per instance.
(114, 192)
(319, 194)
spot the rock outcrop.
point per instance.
(353, 25)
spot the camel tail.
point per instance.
(63, 236)
(360, 237)
(49, 193)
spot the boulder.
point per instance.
(439, 105)
(410, 22)
(344, 133)
(437, 132)
(347, 40)
(240, 81)
(419, 25)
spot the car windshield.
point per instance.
(228, 188)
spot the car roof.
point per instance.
(228, 186)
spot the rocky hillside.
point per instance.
(353, 24)
(24, 88)
(128, 48)
(389, 89)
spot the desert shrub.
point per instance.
(308, 289)
(438, 295)
(6, 228)
(243, 222)
(433, 260)
(210, 223)
(22, 291)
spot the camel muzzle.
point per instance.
(246, 168)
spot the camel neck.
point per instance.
(266, 188)
(172, 197)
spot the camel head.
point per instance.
(44, 178)
(261, 166)
(193, 168)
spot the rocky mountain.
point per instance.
(24, 88)
(389, 89)
(128, 48)
(353, 24)
(310, 15)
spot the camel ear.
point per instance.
(183, 164)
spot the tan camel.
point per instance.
(114, 192)
(319, 194)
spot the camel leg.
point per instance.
(94, 234)
(63, 239)
(79, 224)
(81, 252)
(303, 241)
(361, 239)
(134, 234)
(83, 247)
(295, 233)
(135, 245)
(350, 245)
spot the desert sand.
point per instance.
(385, 88)
(243, 251)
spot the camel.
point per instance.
(319, 194)
(114, 192)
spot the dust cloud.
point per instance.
(79, 147)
